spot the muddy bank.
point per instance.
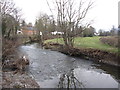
(11, 80)
(12, 66)
(12, 77)
(14, 74)
(90, 54)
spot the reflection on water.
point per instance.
(112, 70)
(80, 78)
(93, 79)
(48, 68)
(69, 80)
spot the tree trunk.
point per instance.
(8, 34)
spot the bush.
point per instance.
(112, 41)
(8, 47)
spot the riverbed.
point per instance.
(47, 66)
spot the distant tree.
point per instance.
(41, 26)
(30, 24)
(89, 32)
(51, 24)
(104, 33)
(51, 27)
(45, 24)
(113, 31)
(23, 23)
(107, 33)
(101, 32)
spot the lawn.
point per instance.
(87, 42)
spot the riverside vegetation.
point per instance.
(14, 73)
(89, 48)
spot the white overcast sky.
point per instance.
(104, 13)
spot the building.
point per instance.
(57, 33)
(28, 30)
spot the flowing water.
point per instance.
(46, 67)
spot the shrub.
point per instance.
(112, 41)
(8, 47)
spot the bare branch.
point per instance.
(70, 18)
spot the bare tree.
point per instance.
(7, 7)
(10, 17)
(70, 18)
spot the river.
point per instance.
(47, 66)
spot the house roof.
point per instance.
(28, 28)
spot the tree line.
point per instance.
(112, 32)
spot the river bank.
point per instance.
(11, 80)
(47, 67)
(11, 76)
(14, 78)
(86, 53)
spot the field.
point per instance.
(88, 42)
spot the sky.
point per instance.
(104, 12)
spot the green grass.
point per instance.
(87, 42)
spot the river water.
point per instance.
(47, 66)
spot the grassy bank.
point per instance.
(87, 42)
